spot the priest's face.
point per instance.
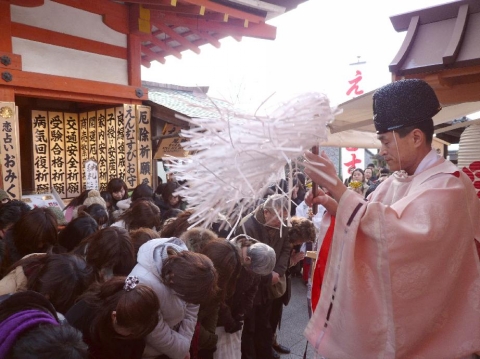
(399, 153)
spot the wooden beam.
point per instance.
(453, 48)
(406, 45)
(174, 35)
(70, 88)
(164, 45)
(179, 9)
(68, 41)
(205, 35)
(7, 94)
(134, 59)
(27, 3)
(262, 30)
(15, 61)
(223, 9)
(115, 15)
(5, 27)
(152, 54)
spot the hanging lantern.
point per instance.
(469, 154)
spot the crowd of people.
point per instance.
(120, 275)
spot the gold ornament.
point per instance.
(355, 184)
(6, 112)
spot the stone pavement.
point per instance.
(294, 321)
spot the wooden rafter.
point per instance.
(170, 32)
(262, 31)
(164, 45)
(152, 54)
(212, 6)
(179, 9)
(205, 35)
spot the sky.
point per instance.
(315, 46)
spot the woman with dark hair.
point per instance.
(61, 278)
(142, 214)
(31, 329)
(141, 236)
(174, 227)
(71, 208)
(167, 200)
(34, 232)
(115, 317)
(97, 212)
(109, 251)
(227, 262)
(181, 280)
(76, 231)
(358, 182)
(119, 191)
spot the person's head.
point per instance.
(123, 307)
(97, 211)
(142, 191)
(61, 278)
(368, 173)
(357, 175)
(141, 214)
(76, 231)
(107, 197)
(141, 236)
(35, 231)
(371, 165)
(196, 238)
(168, 195)
(275, 210)
(10, 213)
(110, 252)
(50, 341)
(191, 276)
(301, 230)
(257, 257)
(94, 198)
(118, 189)
(226, 260)
(174, 227)
(403, 112)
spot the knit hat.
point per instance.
(94, 197)
(3, 195)
(403, 103)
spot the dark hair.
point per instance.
(226, 260)
(170, 213)
(142, 191)
(50, 341)
(425, 126)
(11, 212)
(141, 236)
(196, 238)
(302, 230)
(62, 278)
(107, 197)
(135, 309)
(177, 226)
(97, 212)
(116, 185)
(384, 171)
(35, 231)
(76, 231)
(191, 275)
(78, 201)
(109, 249)
(359, 170)
(168, 189)
(141, 214)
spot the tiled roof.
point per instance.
(188, 101)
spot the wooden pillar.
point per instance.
(5, 27)
(134, 60)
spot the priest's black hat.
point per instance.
(403, 103)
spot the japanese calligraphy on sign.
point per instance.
(10, 150)
(56, 135)
(72, 155)
(131, 173)
(352, 157)
(91, 173)
(102, 150)
(41, 151)
(144, 149)
(84, 144)
(121, 165)
(111, 142)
